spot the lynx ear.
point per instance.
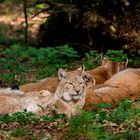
(82, 68)
(105, 60)
(89, 79)
(102, 56)
(61, 74)
(125, 63)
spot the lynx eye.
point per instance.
(70, 83)
(80, 83)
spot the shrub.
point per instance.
(116, 55)
(26, 62)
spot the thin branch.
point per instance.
(26, 20)
(74, 43)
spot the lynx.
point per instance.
(49, 84)
(125, 84)
(33, 101)
(69, 94)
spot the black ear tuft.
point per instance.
(125, 63)
(105, 58)
(82, 68)
(102, 56)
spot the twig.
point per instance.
(26, 20)
(74, 43)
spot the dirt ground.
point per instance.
(12, 21)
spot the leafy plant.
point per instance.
(134, 61)
(26, 61)
(105, 123)
(84, 126)
(20, 132)
(116, 55)
(92, 59)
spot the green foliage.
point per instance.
(92, 59)
(17, 54)
(116, 55)
(59, 56)
(119, 115)
(101, 124)
(19, 60)
(20, 117)
(53, 118)
(20, 132)
(24, 117)
(134, 61)
(3, 38)
(84, 126)
(40, 6)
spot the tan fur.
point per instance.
(49, 84)
(12, 103)
(10, 91)
(106, 70)
(101, 74)
(125, 84)
(69, 94)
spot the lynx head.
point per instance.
(115, 66)
(72, 85)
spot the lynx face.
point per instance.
(72, 85)
(106, 70)
(115, 66)
(71, 91)
(72, 88)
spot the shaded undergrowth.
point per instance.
(105, 123)
(23, 64)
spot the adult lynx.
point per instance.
(69, 94)
(125, 84)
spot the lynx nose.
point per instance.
(77, 89)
